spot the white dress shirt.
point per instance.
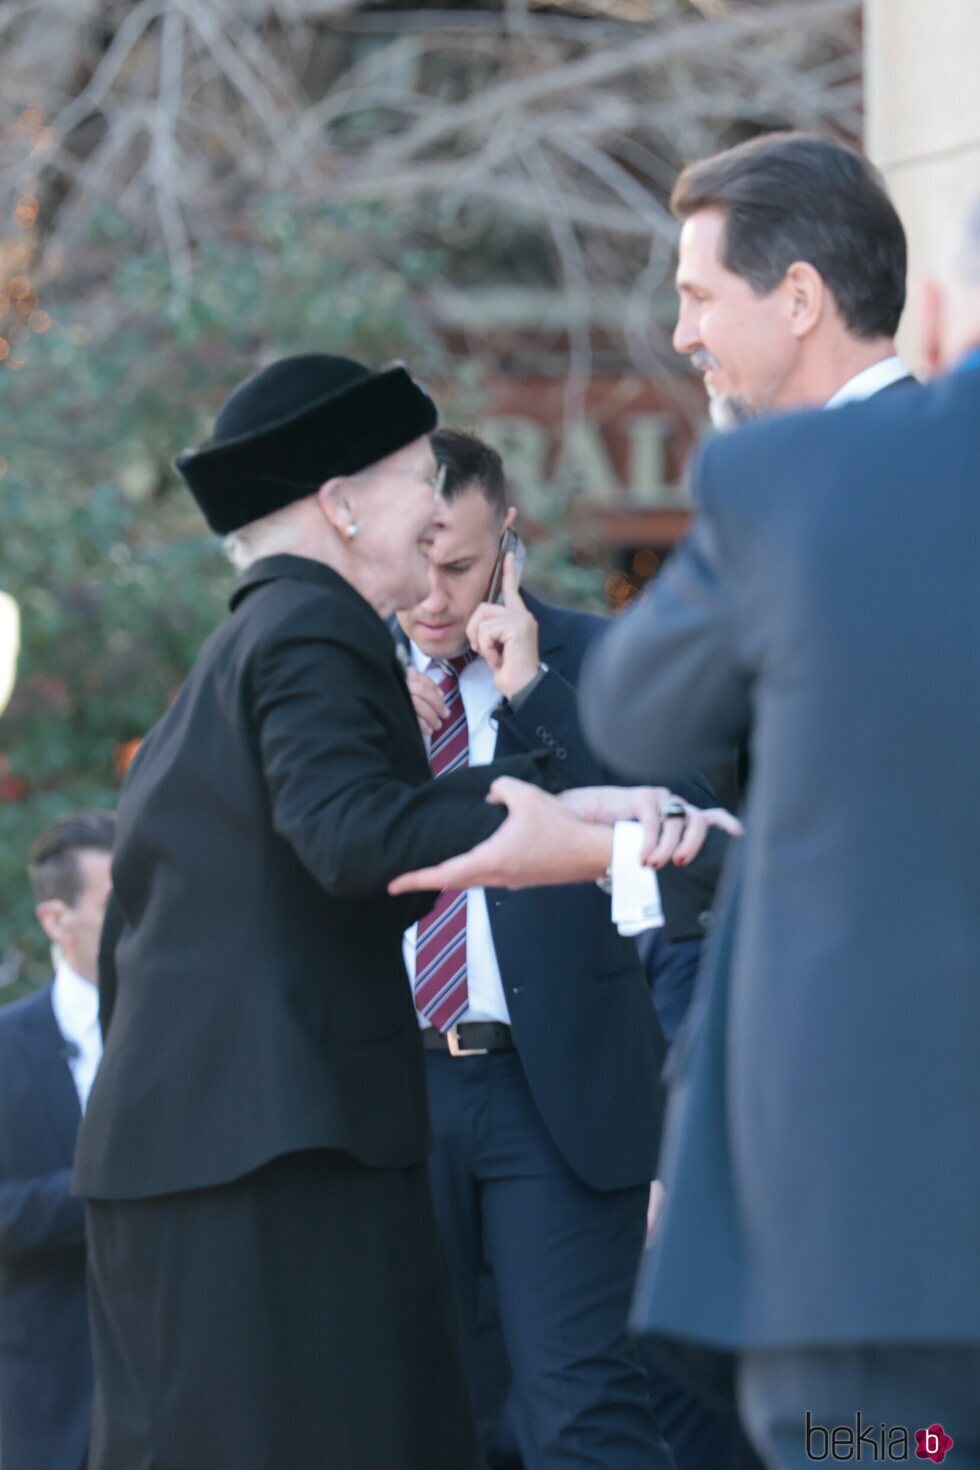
(484, 985)
(76, 1010)
(870, 381)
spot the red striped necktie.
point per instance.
(441, 991)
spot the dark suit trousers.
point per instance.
(910, 1387)
(299, 1317)
(702, 1429)
(564, 1260)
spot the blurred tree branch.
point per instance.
(566, 124)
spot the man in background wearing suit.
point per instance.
(542, 1048)
(50, 1048)
(823, 1160)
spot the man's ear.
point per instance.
(52, 915)
(931, 312)
(333, 498)
(807, 294)
(509, 519)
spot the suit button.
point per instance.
(542, 733)
(706, 919)
(561, 753)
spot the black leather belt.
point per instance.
(470, 1038)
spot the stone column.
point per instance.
(922, 81)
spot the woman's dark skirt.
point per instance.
(299, 1318)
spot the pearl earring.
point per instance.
(351, 531)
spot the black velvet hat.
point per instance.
(295, 424)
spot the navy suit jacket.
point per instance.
(45, 1358)
(587, 1034)
(822, 1167)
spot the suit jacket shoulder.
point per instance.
(733, 472)
(39, 1109)
(23, 1020)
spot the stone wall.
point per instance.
(922, 69)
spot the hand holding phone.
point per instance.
(503, 630)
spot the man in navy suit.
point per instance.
(791, 284)
(50, 1048)
(542, 1047)
(833, 1068)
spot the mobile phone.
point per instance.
(508, 542)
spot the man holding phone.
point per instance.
(542, 1047)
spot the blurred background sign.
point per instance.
(625, 446)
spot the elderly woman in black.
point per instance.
(267, 1289)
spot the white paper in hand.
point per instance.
(636, 903)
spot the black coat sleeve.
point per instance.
(336, 734)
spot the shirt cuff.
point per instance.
(516, 700)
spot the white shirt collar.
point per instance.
(424, 661)
(419, 659)
(871, 380)
(75, 1002)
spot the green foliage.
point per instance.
(99, 544)
(562, 566)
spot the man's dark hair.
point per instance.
(469, 461)
(794, 196)
(52, 863)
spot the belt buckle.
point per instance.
(455, 1050)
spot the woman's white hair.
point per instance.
(270, 536)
